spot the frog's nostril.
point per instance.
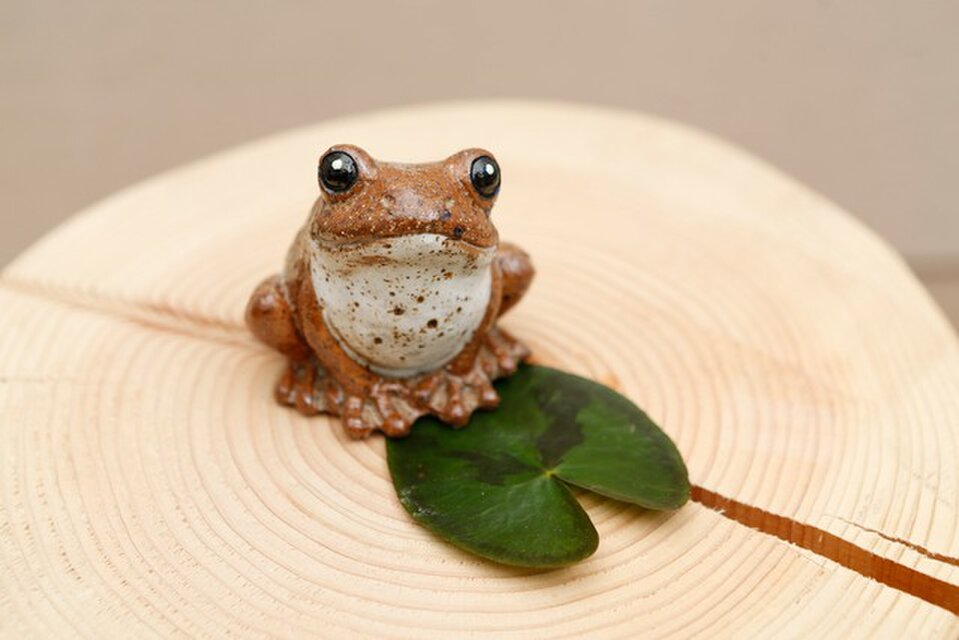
(457, 232)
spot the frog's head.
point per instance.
(363, 200)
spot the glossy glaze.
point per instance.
(388, 302)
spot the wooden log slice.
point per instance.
(152, 487)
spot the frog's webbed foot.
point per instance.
(296, 387)
(306, 387)
(441, 393)
(396, 412)
(453, 398)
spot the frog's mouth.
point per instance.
(430, 239)
(403, 305)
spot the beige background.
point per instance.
(857, 99)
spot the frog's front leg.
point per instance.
(269, 315)
(517, 271)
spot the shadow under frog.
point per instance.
(387, 305)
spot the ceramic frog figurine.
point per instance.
(387, 305)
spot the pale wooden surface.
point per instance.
(151, 487)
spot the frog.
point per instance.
(388, 302)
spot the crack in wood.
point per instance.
(932, 555)
(866, 563)
(157, 316)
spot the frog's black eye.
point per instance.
(338, 171)
(484, 174)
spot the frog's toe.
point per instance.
(424, 389)
(397, 415)
(456, 414)
(295, 387)
(395, 426)
(352, 418)
(305, 403)
(283, 391)
(488, 398)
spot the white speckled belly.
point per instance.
(403, 305)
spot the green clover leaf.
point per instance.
(498, 488)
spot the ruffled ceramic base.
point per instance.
(393, 405)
